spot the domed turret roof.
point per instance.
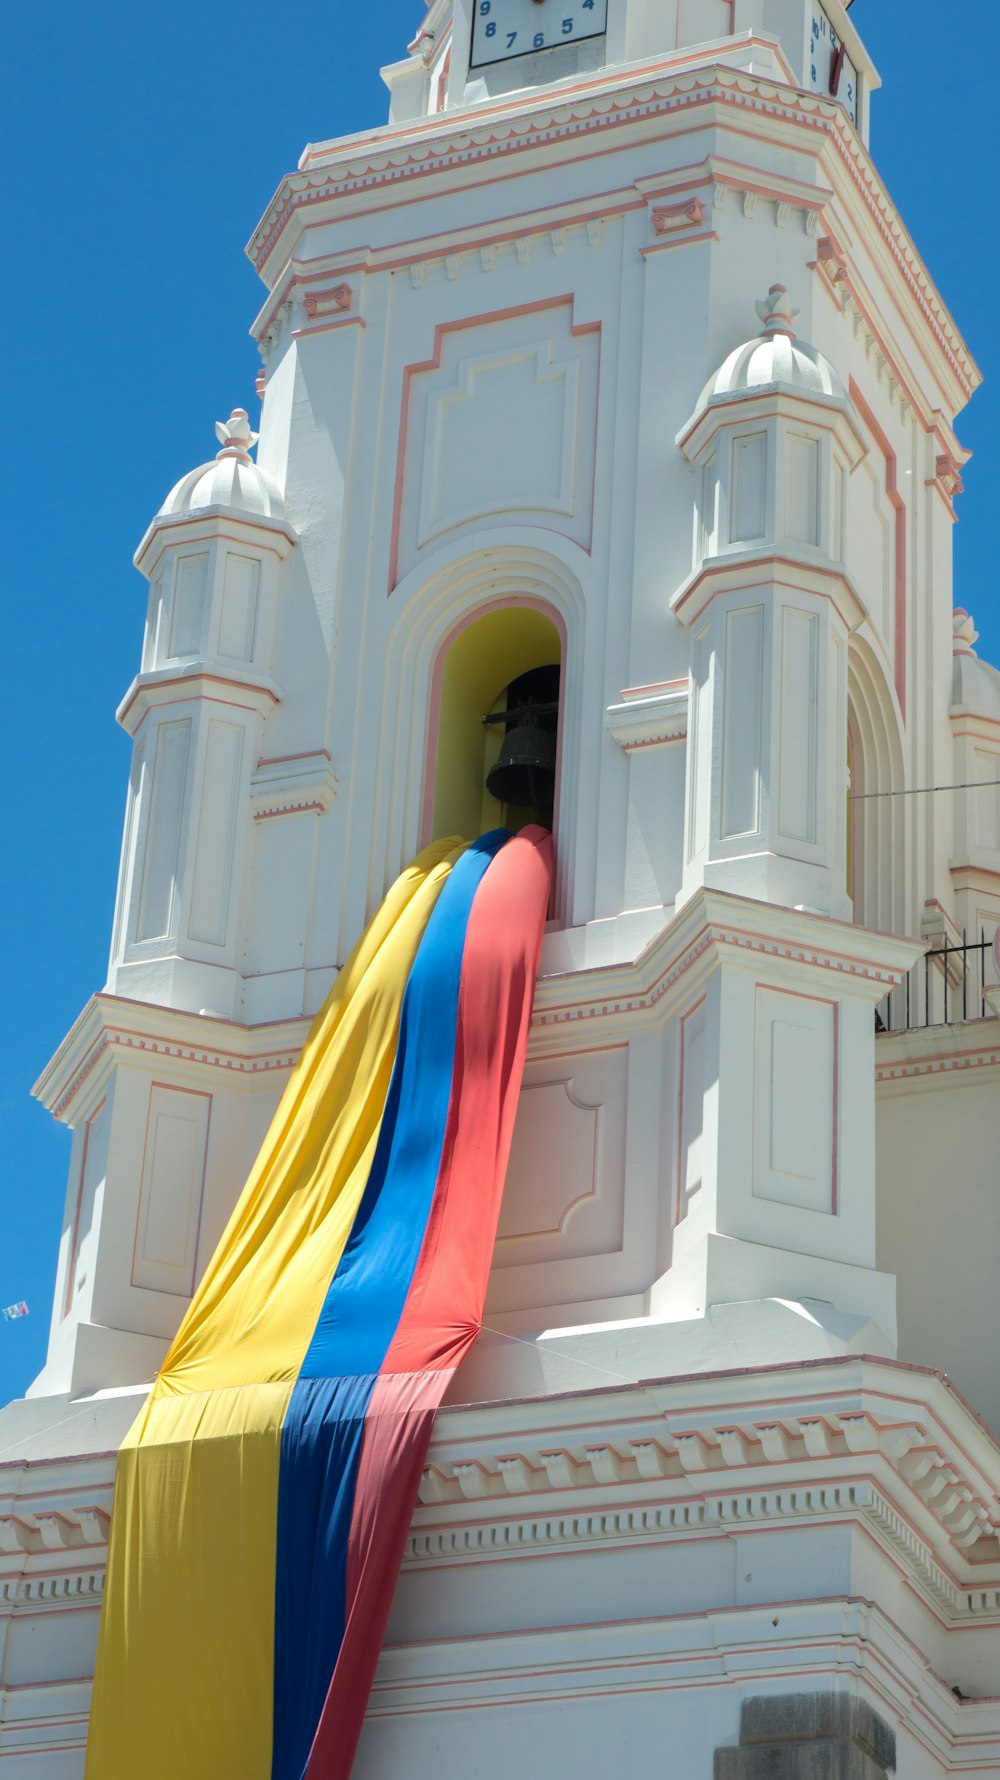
(232, 479)
(774, 357)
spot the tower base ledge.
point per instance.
(762, 1332)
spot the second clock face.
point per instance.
(831, 71)
(502, 29)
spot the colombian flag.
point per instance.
(263, 1497)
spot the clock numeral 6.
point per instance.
(539, 40)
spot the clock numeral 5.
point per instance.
(567, 26)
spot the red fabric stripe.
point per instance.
(443, 1311)
(444, 1307)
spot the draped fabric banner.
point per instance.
(263, 1497)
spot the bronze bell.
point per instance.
(524, 772)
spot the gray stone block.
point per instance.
(818, 1758)
(809, 1736)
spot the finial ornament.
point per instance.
(964, 632)
(776, 313)
(235, 436)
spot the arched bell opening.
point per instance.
(495, 724)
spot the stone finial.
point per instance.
(964, 632)
(235, 436)
(777, 314)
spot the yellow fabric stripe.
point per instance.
(189, 1602)
(189, 1599)
(254, 1312)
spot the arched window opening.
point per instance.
(495, 729)
(875, 812)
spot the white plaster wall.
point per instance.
(938, 1175)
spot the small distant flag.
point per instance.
(13, 1311)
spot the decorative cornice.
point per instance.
(398, 155)
(947, 1051)
(712, 928)
(292, 785)
(52, 1591)
(773, 566)
(196, 680)
(658, 1460)
(112, 1027)
(204, 525)
(647, 718)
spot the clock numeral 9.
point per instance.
(485, 6)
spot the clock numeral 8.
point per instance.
(491, 29)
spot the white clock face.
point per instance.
(831, 71)
(502, 29)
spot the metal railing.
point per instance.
(944, 987)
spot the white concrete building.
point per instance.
(613, 355)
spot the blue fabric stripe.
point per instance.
(320, 1453)
(324, 1424)
(367, 1294)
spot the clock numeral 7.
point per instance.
(511, 39)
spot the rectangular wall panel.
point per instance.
(709, 541)
(93, 1169)
(795, 1100)
(837, 505)
(741, 729)
(173, 1175)
(213, 862)
(746, 508)
(802, 489)
(700, 744)
(691, 1122)
(187, 619)
(238, 622)
(797, 767)
(986, 803)
(163, 830)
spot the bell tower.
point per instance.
(539, 525)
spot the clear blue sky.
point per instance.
(141, 147)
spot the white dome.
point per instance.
(231, 480)
(775, 356)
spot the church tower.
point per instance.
(604, 382)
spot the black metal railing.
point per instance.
(944, 987)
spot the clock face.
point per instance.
(831, 71)
(503, 29)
